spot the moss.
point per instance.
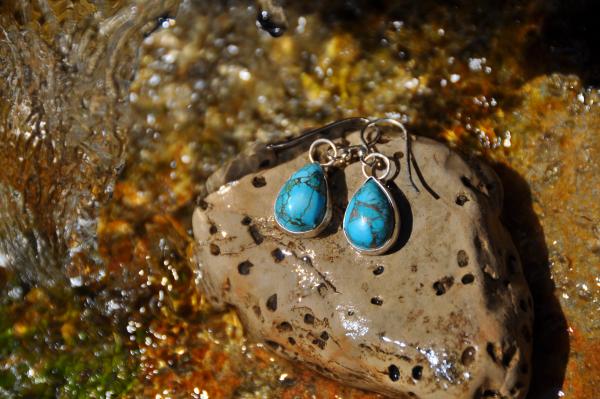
(40, 363)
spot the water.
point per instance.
(113, 113)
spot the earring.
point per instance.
(371, 222)
(303, 205)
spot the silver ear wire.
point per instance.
(407, 140)
(361, 150)
(343, 124)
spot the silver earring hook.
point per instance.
(345, 124)
(374, 123)
(407, 139)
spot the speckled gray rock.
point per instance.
(446, 313)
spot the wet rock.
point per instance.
(271, 17)
(444, 313)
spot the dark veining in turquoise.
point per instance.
(369, 219)
(302, 202)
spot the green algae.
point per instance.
(47, 357)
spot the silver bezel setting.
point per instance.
(326, 218)
(393, 238)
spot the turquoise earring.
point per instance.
(371, 222)
(303, 205)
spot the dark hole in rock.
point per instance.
(214, 249)
(468, 356)
(244, 267)
(514, 391)
(259, 181)
(477, 243)
(523, 305)
(440, 287)
(272, 344)
(508, 355)
(350, 313)
(272, 303)
(256, 236)
(212, 229)
(246, 220)
(309, 319)
(202, 204)
(378, 270)
(322, 289)
(414, 268)
(284, 326)
(466, 181)
(467, 279)
(324, 336)
(491, 350)
(377, 301)
(393, 372)
(461, 199)
(319, 342)
(277, 255)
(256, 310)
(292, 341)
(417, 372)
(462, 258)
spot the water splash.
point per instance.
(63, 84)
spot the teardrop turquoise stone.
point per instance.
(369, 219)
(302, 202)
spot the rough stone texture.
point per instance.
(445, 313)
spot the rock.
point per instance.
(445, 313)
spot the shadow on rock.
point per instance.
(550, 336)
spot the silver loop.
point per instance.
(378, 136)
(314, 145)
(379, 155)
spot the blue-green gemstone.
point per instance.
(369, 219)
(302, 202)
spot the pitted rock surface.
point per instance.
(446, 313)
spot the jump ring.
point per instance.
(386, 161)
(314, 145)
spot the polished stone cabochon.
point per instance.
(369, 219)
(301, 204)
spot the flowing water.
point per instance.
(113, 113)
